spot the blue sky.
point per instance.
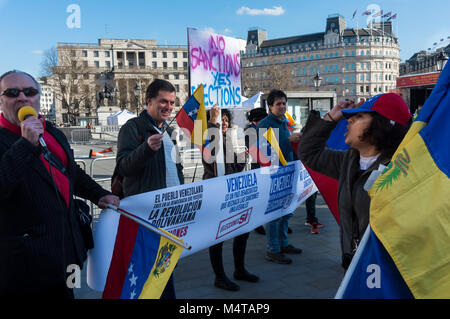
(28, 27)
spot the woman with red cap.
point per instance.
(374, 131)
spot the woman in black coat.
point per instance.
(239, 242)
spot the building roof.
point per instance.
(293, 40)
(314, 37)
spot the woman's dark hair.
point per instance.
(256, 115)
(223, 112)
(156, 86)
(385, 136)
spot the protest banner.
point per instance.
(206, 212)
(215, 62)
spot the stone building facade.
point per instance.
(355, 63)
(114, 73)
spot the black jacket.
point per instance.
(39, 235)
(237, 164)
(353, 200)
(143, 169)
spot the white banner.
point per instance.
(215, 61)
(206, 212)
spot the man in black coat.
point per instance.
(39, 226)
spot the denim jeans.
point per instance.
(276, 232)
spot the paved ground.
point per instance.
(314, 274)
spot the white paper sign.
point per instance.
(215, 62)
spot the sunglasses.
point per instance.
(16, 92)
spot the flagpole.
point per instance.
(147, 225)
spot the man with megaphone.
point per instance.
(41, 227)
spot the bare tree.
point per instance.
(71, 79)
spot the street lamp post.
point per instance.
(441, 60)
(137, 93)
(317, 81)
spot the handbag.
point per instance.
(84, 220)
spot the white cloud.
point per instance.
(275, 11)
(37, 52)
(209, 29)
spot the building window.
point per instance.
(107, 54)
(154, 65)
(97, 64)
(120, 55)
(367, 88)
(108, 64)
(84, 53)
(164, 55)
(185, 55)
(361, 88)
(154, 54)
(164, 65)
(95, 54)
(175, 65)
(175, 55)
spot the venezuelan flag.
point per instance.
(372, 273)
(270, 137)
(141, 264)
(192, 118)
(410, 208)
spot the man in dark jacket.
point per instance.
(39, 226)
(144, 154)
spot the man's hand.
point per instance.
(31, 129)
(104, 201)
(294, 138)
(155, 142)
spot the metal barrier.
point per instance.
(105, 182)
(80, 136)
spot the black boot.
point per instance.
(221, 281)
(224, 283)
(239, 247)
(245, 276)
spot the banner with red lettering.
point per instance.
(206, 212)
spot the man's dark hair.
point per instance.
(275, 94)
(156, 86)
(385, 136)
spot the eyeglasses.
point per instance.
(16, 92)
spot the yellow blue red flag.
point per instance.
(142, 262)
(192, 118)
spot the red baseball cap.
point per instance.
(389, 105)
